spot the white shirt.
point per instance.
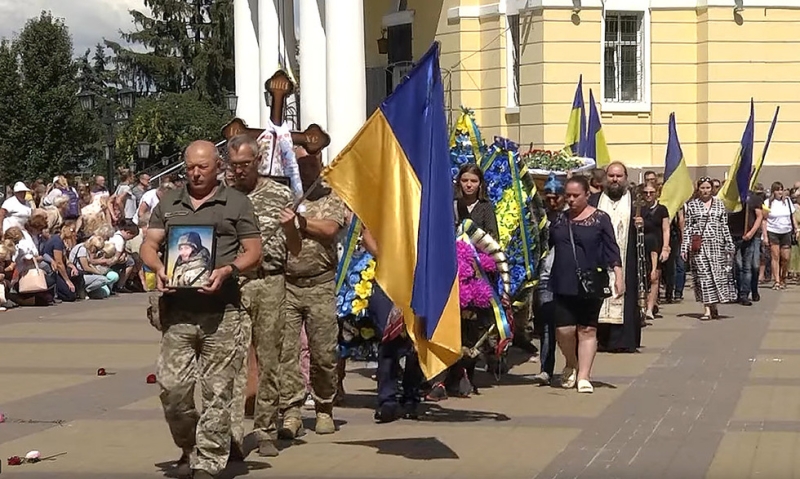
(26, 250)
(129, 208)
(779, 219)
(118, 241)
(17, 213)
(150, 198)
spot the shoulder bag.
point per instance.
(593, 283)
(32, 281)
(697, 239)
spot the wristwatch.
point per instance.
(234, 271)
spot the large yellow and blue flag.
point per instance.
(677, 187)
(596, 146)
(576, 128)
(395, 176)
(760, 162)
(736, 189)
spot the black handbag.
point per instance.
(593, 283)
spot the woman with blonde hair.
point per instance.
(67, 280)
(98, 279)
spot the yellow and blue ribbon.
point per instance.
(350, 244)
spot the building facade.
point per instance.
(516, 64)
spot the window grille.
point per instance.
(623, 58)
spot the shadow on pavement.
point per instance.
(419, 448)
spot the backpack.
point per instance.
(73, 208)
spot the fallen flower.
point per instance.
(32, 456)
(101, 372)
(151, 379)
(14, 461)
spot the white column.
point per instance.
(246, 57)
(313, 81)
(269, 34)
(346, 71)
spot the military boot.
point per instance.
(292, 428)
(324, 423)
(266, 448)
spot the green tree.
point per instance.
(169, 122)
(187, 45)
(47, 130)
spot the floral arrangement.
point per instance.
(551, 160)
(353, 297)
(466, 144)
(474, 291)
(518, 225)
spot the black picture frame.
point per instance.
(200, 243)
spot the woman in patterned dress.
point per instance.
(709, 246)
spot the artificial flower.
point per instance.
(359, 305)
(363, 289)
(367, 333)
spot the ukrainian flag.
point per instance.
(395, 176)
(596, 146)
(734, 192)
(576, 128)
(678, 187)
(760, 162)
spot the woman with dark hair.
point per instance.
(471, 201)
(583, 240)
(781, 233)
(708, 244)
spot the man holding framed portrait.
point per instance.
(208, 233)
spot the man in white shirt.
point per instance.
(151, 198)
(15, 210)
(124, 199)
(123, 263)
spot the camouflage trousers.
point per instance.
(213, 356)
(314, 307)
(262, 322)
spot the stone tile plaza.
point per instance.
(715, 399)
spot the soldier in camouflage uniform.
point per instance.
(201, 329)
(263, 290)
(310, 301)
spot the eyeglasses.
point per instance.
(649, 193)
(241, 166)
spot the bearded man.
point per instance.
(620, 328)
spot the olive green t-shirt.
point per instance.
(231, 214)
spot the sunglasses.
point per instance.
(704, 179)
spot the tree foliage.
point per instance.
(169, 122)
(44, 132)
(184, 45)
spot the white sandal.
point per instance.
(585, 386)
(568, 377)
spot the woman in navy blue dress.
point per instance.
(595, 247)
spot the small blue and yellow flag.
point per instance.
(760, 162)
(677, 187)
(575, 141)
(596, 146)
(395, 176)
(735, 191)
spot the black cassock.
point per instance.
(625, 337)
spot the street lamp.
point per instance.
(231, 101)
(164, 160)
(109, 116)
(143, 150)
(87, 100)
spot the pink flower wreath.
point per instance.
(474, 291)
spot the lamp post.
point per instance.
(143, 152)
(115, 111)
(231, 102)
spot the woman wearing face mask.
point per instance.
(708, 244)
(471, 201)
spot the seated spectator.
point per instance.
(55, 213)
(97, 278)
(123, 263)
(25, 258)
(67, 280)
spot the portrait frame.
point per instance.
(190, 255)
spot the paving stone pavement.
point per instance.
(718, 399)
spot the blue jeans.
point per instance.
(746, 264)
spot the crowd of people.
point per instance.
(268, 328)
(70, 240)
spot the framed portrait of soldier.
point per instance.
(190, 255)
